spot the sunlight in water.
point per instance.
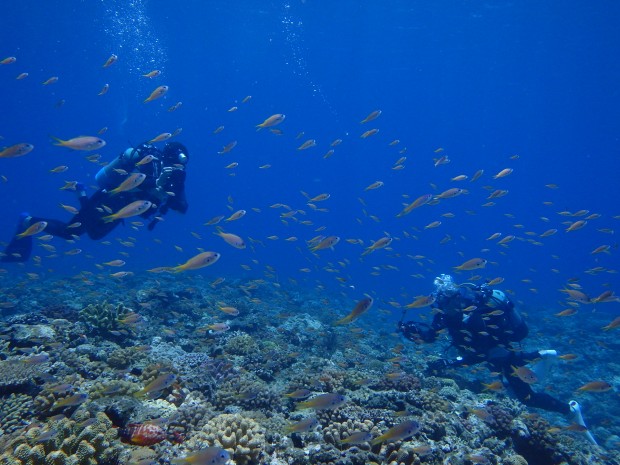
(133, 36)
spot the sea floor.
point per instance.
(151, 369)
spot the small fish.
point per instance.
(175, 107)
(370, 132)
(372, 116)
(494, 386)
(378, 244)
(567, 312)
(142, 434)
(422, 200)
(110, 61)
(525, 374)
(208, 456)
(158, 384)
(273, 120)
(131, 182)
(357, 437)
(199, 261)
(328, 401)
(613, 325)
(327, 243)
(303, 426)
(231, 239)
(374, 185)
(152, 74)
(51, 80)
(36, 359)
(218, 327)
(576, 225)
(85, 143)
(422, 301)
(157, 93)
(33, 229)
(298, 394)
(8, 61)
(160, 138)
(237, 215)
(229, 310)
(104, 90)
(473, 264)
(59, 169)
(306, 145)
(135, 208)
(227, 148)
(503, 173)
(596, 386)
(75, 399)
(401, 431)
(16, 150)
(360, 308)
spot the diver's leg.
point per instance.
(19, 249)
(524, 391)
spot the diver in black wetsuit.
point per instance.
(484, 325)
(163, 186)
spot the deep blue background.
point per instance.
(484, 80)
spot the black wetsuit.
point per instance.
(165, 194)
(486, 334)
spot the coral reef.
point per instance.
(242, 437)
(66, 442)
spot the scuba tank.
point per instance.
(108, 178)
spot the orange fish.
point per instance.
(473, 264)
(152, 74)
(525, 374)
(131, 182)
(421, 302)
(327, 243)
(16, 150)
(596, 386)
(133, 209)
(398, 432)
(360, 308)
(85, 143)
(33, 229)
(231, 239)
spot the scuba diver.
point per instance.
(142, 181)
(484, 326)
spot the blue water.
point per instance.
(484, 80)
